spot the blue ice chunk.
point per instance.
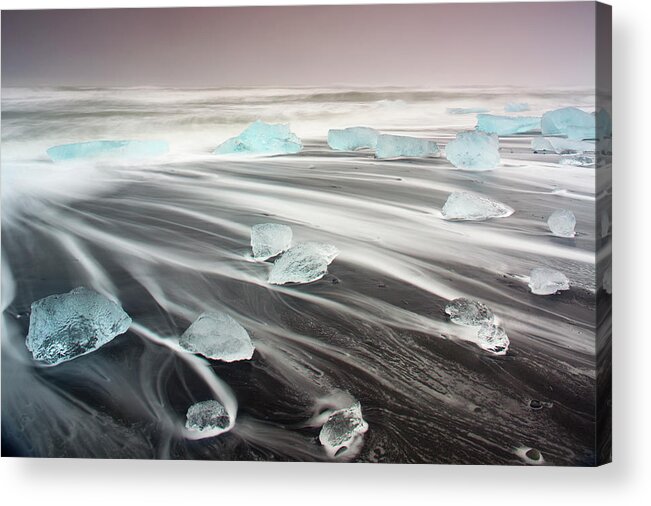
(466, 206)
(400, 146)
(269, 240)
(108, 149)
(342, 429)
(562, 223)
(217, 336)
(66, 326)
(474, 151)
(352, 138)
(303, 263)
(507, 125)
(465, 110)
(516, 107)
(569, 121)
(262, 138)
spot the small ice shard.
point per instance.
(467, 206)
(474, 151)
(516, 107)
(507, 125)
(560, 145)
(343, 427)
(562, 223)
(543, 281)
(493, 338)
(262, 138)
(269, 240)
(465, 110)
(352, 138)
(68, 325)
(468, 312)
(577, 160)
(217, 336)
(107, 149)
(607, 282)
(303, 263)
(400, 146)
(207, 416)
(569, 121)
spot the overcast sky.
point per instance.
(537, 44)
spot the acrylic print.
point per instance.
(372, 234)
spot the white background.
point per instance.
(626, 481)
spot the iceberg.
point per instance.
(400, 146)
(269, 240)
(569, 121)
(303, 263)
(473, 151)
(66, 326)
(353, 138)
(560, 145)
(465, 110)
(207, 416)
(468, 312)
(342, 428)
(562, 223)
(507, 125)
(493, 338)
(516, 107)
(107, 149)
(543, 281)
(262, 138)
(465, 206)
(217, 336)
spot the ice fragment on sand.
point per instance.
(472, 207)
(468, 312)
(516, 107)
(577, 160)
(107, 149)
(343, 427)
(543, 281)
(507, 125)
(474, 151)
(493, 338)
(207, 415)
(560, 145)
(465, 110)
(262, 138)
(400, 146)
(569, 121)
(303, 263)
(607, 282)
(350, 139)
(562, 223)
(269, 240)
(66, 326)
(217, 336)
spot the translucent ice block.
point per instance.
(262, 138)
(353, 138)
(66, 326)
(400, 146)
(473, 151)
(467, 206)
(217, 336)
(507, 125)
(269, 240)
(108, 149)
